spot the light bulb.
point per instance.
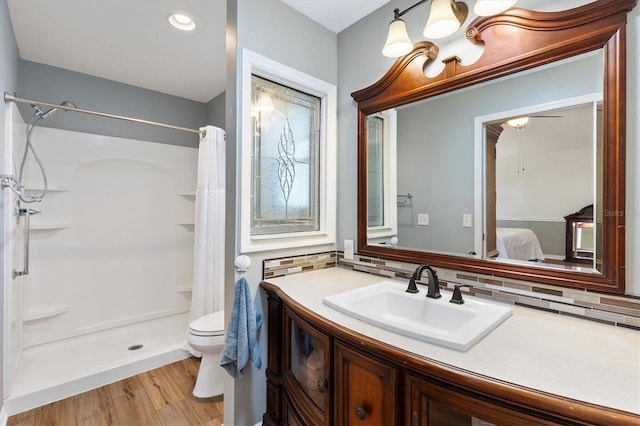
(182, 22)
(442, 20)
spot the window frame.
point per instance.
(389, 228)
(255, 64)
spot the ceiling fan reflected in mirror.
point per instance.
(519, 123)
(522, 121)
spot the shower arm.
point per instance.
(11, 97)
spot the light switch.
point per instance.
(423, 219)
(466, 220)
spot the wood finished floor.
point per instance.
(159, 397)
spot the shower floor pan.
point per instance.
(57, 370)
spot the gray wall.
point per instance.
(632, 234)
(274, 30)
(51, 84)
(360, 64)
(8, 83)
(215, 111)
(436, 148)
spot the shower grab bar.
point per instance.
(11, 97)
(26, 212)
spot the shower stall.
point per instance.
(100, 286)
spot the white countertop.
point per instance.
(571, 357)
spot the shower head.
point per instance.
(52, 110)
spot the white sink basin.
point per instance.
(387, 305)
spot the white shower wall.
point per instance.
(113, 244)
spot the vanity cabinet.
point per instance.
(320, 373)
(366, 388)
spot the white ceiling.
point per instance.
(336, 15)
(131, 41)
(128, 41)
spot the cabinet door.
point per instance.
(430, 404)
(291, 416)
(365, 389)
(306, 367)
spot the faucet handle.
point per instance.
(457, 295)
(413, 288)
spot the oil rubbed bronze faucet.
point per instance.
(457, 294)
(433, 289)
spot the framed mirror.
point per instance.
(531, 60)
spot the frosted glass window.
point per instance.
(285, 181)
(288, 180)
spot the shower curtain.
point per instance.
(208, 258)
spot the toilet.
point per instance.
(206, 335)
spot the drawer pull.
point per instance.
(360, 412)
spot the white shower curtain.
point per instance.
(208, 257)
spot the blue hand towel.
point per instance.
(241, 344)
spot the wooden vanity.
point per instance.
(326, 369)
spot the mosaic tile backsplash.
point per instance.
(615, 310)
(291, 265)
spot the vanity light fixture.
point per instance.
(182, 22)
(445, 17)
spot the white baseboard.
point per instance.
(3, 416)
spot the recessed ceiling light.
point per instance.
(182, 22)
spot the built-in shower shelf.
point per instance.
(49, 226)
(187, 222)
(43, 313)
(187, 194)
(184, 288)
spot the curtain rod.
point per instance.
(11, 97)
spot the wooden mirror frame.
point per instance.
(544, 37)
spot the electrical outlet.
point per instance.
(348, 249)
(466, 220)
(423, 219)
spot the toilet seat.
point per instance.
(208, 325)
